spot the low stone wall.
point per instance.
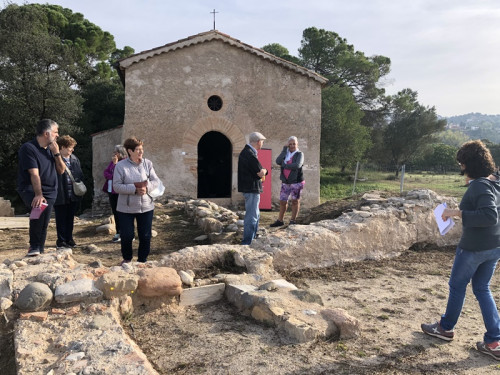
(70, 312)
(382, 228)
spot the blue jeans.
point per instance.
(252, 216)
(144, 223)
(479, 267)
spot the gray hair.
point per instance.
(121, 151)
(293, 138)
(44, 125)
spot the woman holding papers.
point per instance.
(478, 251)
(133, 178)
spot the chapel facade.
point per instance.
(193, 103)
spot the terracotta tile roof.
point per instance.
(123, 64)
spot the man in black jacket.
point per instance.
(250, 175)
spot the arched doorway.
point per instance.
(214, 166)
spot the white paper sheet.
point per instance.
(443, 226)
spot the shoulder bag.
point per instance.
(79, 187)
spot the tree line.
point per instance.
(56, 64)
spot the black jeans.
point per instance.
(113, 202)
(144, 224)
(38, 227)
(65, 217)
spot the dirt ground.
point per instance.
(389, 297)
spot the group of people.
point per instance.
(47, 171)
(250, 177)
(477, 253)
(48, 168)
(43, 179)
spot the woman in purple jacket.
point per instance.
(118, 154)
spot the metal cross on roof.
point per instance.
(214, 16)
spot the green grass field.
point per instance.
(336, 185)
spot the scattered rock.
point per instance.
(5, 304)
(6, 279)
(106, 229)
(345, 324)
(160, 281)
(186, 278)
(82, 290)
(34, 297)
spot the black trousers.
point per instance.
(38, 227)
(65, 217)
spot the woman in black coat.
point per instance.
(67, 202)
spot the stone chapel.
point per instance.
(193, 102)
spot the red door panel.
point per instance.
(265, 157)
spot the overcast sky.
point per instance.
(446, 50)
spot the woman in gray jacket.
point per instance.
(133, 179)
(292, 179)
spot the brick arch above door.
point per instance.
(193, 135)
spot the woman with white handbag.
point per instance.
(134, 179)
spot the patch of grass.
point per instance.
(337, 185)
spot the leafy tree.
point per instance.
(343, 139)
(278, 50)
(34, 83)
(51, 61)
(441, 157)
(452, 138)
(326, 53)
(411, 127)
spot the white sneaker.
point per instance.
(116, 238)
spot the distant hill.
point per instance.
(476, 126)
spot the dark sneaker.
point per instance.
(62, 245)
(437, 331)
(116, 238)
(492, 349)
(292, 222)
(71, 243)
(124, 261)
(33, 252)
(277, 223)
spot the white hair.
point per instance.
(293, 138)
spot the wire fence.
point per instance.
(367, 177)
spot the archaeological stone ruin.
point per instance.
(71, 313)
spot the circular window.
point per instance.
(214, 103)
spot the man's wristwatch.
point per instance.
(58, 154)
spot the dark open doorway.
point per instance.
(214, 166)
